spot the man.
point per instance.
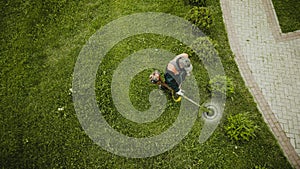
(176, 71)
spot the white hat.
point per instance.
(186, 64)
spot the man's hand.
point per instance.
(180, 92)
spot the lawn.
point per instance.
(288, 14)
(40, 42)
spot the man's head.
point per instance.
(185, 64)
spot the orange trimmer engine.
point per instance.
(155, 78)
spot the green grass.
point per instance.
(40, 41)
(288, 14)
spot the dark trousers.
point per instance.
(171, 82)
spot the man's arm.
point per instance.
(185, 55)
(172, 69)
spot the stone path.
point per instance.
(269, 62)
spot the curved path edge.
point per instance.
(246, 73)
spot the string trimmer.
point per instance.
(209, 111)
